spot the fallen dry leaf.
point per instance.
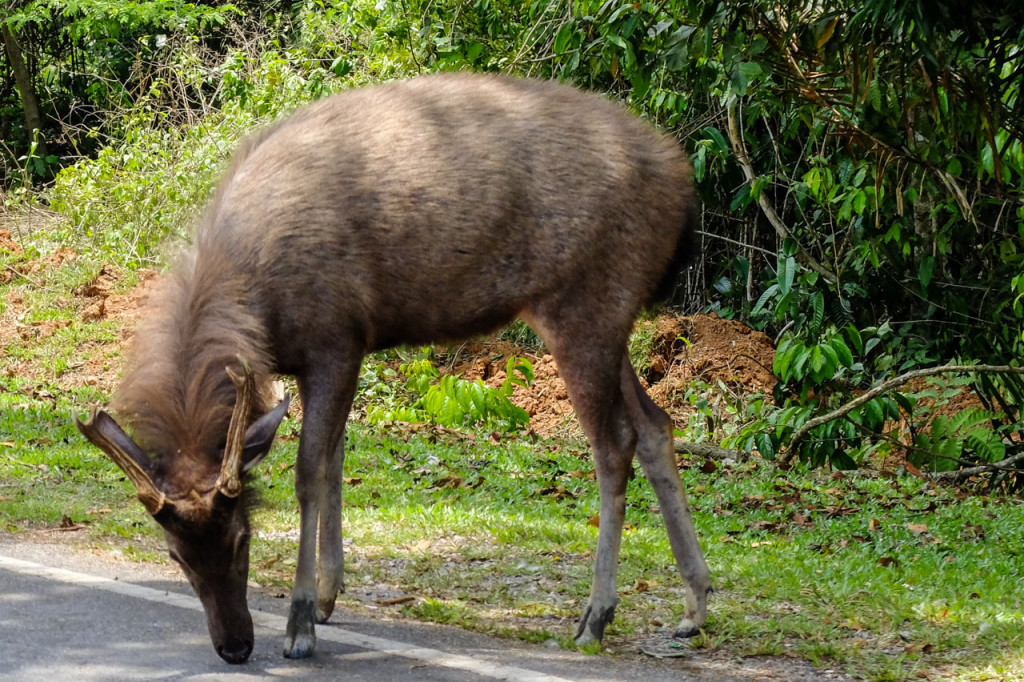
(448, 482)
(913, 470)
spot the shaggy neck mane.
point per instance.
(177, 396)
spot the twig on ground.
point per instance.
(709, 451)
(23, 276)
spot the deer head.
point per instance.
(207, 528)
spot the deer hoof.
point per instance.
(696, 614)
(592, 624)
(686, 629)
(300, 637)
(300, 646)
(327, 594)
(324, 609)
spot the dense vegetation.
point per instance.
(861, 163)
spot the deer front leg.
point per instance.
(318, 487)
(300, 637)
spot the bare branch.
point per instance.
(736, 242)
(762, 200)
(957, 475)
(787, 456)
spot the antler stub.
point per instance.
(230, 481)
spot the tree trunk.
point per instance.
(30, 103)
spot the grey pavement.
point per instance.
(75, 615)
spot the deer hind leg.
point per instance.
(657, 457)
(326, 399)
(589, 364)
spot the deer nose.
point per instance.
(235, 652)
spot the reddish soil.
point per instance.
(685, 350)
(99, 361)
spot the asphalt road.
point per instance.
(74, 615)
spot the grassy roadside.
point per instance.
(888, 578)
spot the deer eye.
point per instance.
(241, 543)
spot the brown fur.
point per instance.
(176, 394)
(416, 212)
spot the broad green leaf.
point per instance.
(873, 410)
(924, 273)
(741, 199)
(845, 357)
(817, 359)
(906, 402)
(564, 37)
(765, 445)
(855, 338)
(618, 41)
(817, 309)
(787, 272)
(831, 362)
(473, 51)
(700, 163)
(860, 202)
(712, 133)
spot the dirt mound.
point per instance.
(683, 351)
(8, 244)
(100, 301)
(691, 353)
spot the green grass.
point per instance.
(883, 577)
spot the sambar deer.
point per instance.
(406, 213)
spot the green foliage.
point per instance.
(450, 401)
(885, 137)
(85, 57)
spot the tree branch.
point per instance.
(30, 103)
(787, 456)
(762, 201)
(961, 474)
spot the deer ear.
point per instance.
(260, 436)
